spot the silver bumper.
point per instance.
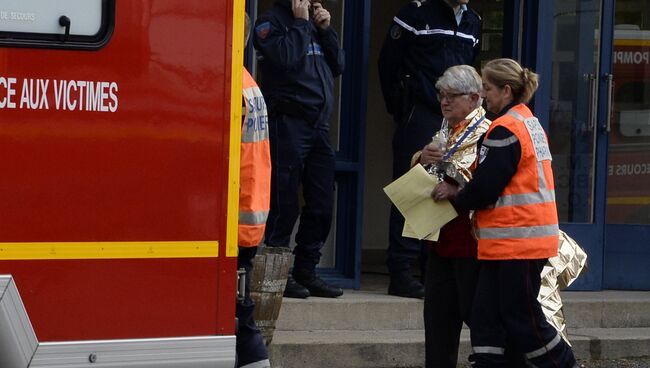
(19, 347)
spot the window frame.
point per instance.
(73, 42)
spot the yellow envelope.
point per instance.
(408, 232)
(411, 194)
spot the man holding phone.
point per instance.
(299, 57)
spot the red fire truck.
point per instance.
(119, 157)
(629, 146)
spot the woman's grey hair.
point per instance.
(461, 79)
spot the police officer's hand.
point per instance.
(300, 9)
(444, 191)
(431, 154)
(321, 16)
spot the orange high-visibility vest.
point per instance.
(255, 169)
(523, 223)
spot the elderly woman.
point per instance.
(516, 225)
(452, 268)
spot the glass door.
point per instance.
(574, 128)
(600, 135)
(627, 242)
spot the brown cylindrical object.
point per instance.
(268, 279)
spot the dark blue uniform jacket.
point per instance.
(298, 61)
(423, 41)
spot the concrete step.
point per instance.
(609, 308)
(355, 310)
(368, 328)
(405, 348)
(374, 310)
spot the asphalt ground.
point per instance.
(617, 363)
(608, 363)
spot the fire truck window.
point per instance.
(634, 95)
(632, 104)
(57, 24)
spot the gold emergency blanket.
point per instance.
(465, 155)
(459, 165)
(558, 273)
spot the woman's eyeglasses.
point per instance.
(450, 96)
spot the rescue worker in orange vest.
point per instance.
(254, 202)
(516, 225)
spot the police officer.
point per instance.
(300, 56)
(425, 38)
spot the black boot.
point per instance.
(403, 284)
(315, 285)
(294, 289)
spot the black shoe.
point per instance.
(404, 285)
(294, 289)
(316, 285)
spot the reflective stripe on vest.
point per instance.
(516, 115)
(253, 218)
(542, 196)
(518, 232)
(522, 223)
(500, 142)
(255, 167)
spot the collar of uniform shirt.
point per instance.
(459, 13)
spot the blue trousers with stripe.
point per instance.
(506, 309)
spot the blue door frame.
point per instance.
(537, 49)
(350, 169)
(350, 156)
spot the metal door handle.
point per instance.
(593, 101)
(610, 97)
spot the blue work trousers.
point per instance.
(412, 134)
(506, 310)
(302, 155)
